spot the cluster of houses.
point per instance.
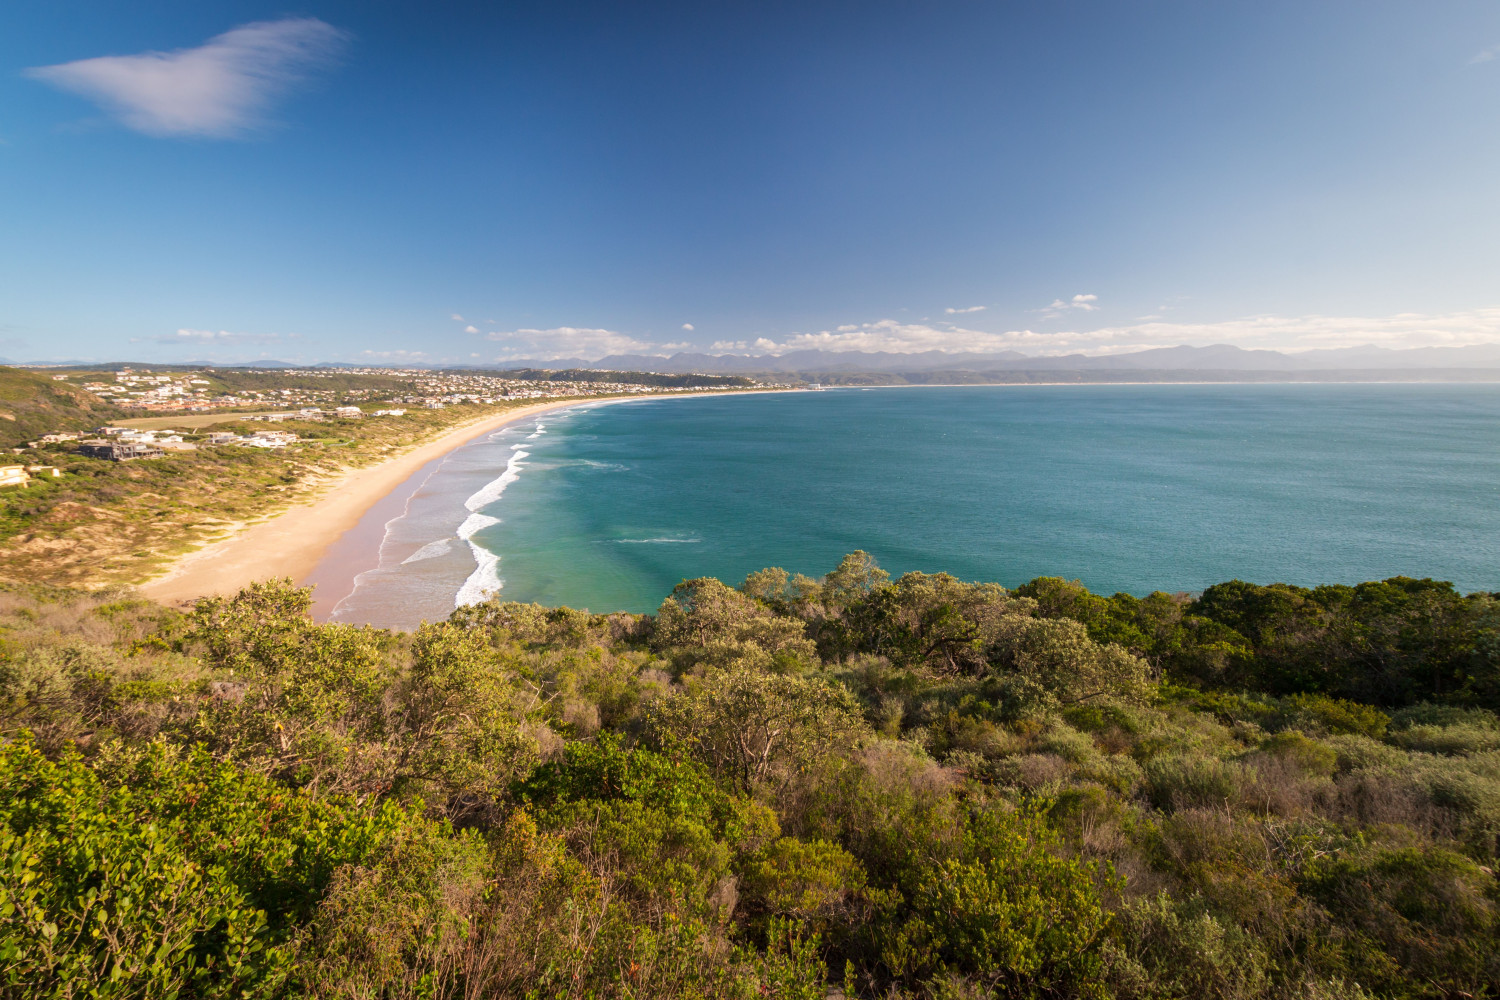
(21, 475)
(260, 439)
(175, 392)
(313, 413)
(123, 444)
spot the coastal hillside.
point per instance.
(914, 788)
(32, 405)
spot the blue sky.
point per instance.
(345, 180)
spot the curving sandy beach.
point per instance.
(290, 544)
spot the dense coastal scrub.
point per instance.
(909, 788)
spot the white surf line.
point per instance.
(405, 512)
(485, 580)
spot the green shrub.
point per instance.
(661, 827)
(754, 728)
(1319, 713)
(803, 880)
(1428, 714)
(1006, 909)
(1096, 718)
(1068, 743)
(761, 829)
(605, 771)
(1181, 781)
(1227, 705)
(1421, 922)
(1457, 740)
(1309, 756)
(1357, 752)
(1178, 948)
(163, 873)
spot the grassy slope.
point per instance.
(32, 405)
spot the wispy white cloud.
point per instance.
(971, 309)
(1282, 333)
(221, 89)
(471, 329)
(566, 342)
(883, 335)
(1060, 307)
(1487, 55)
(456, 318)
(688, 327)
(397, 355)
(214, 337)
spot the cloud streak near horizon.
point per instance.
(205, 337)
(1279, 333)
(569, 342)
(222, 89)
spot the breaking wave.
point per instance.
(485, 580)
(430, 551)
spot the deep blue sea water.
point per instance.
(1133, 488)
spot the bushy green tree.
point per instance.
(455, 719)
(1008, 912)
(162, 873)
(1054, 662)
(704, 621)
(752, 727)
(298, 699)
(931, 620)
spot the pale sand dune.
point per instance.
(291, 543)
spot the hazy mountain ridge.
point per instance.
(1217, 357)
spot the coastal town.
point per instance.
(208, 399)
(209, 389)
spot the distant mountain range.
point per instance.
(1217, 358)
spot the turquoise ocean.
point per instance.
(1126, 488)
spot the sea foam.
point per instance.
(429, 551)
(485, 580)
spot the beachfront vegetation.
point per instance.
(910, 788)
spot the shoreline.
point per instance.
(293, 543)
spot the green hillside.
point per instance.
(32, 405)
